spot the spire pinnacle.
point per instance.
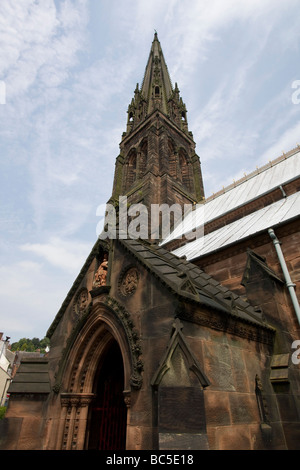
(156, 92)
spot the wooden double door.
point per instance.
(108, 415)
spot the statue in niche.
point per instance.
(101, 273)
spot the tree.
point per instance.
(31, 345)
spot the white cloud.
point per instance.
(39, 42)
(40, 46)
(30, 299)
(68, 255)
(287, 141)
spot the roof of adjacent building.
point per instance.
(32, 377)
(264, 180)
(254, 223)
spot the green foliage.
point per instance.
(31, 345)
(2, 411)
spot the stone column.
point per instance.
(75, 407)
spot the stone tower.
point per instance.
(157, 162)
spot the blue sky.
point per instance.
(69, 69)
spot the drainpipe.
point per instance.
(290, 285)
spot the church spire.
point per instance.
(156, 93)
(157, 86)
(157, 163)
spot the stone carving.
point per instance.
(129, 281)
(231, 325)
(127, 398)
(101, 273)
(133, 341)
(78, 400)
(178, 346)
(81, 301)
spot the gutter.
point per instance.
(290, 285)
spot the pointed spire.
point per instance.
(157, 86)
(156, 92)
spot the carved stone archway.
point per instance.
(81, 367)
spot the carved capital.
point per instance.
(77, 400)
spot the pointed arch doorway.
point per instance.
(108, 414)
